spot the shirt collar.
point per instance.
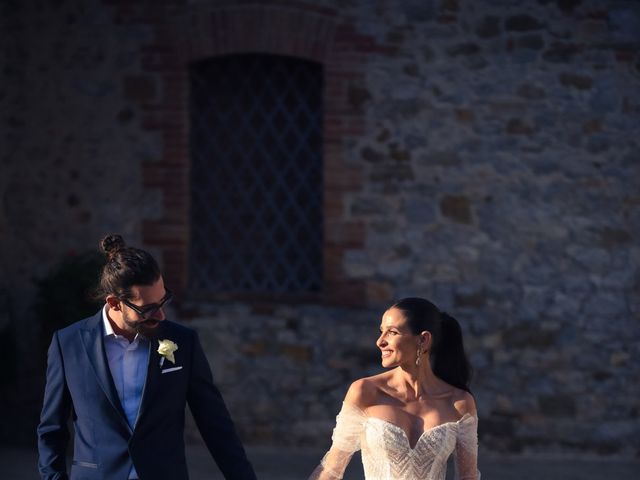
(108, 329)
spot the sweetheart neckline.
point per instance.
(430, 429)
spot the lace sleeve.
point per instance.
(466, 453)
(346, 441)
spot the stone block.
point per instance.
(370, 205)
(419, 11)
(285, 335)
(370, 155)
(457, 208)
(579, 82)
(358, 96)
(444, 158)
(254, 349)
(465, 115)
(519, 126)
(297, 353)
(489, 27)
(598, 144)
(594, 259)
(605, 97)
(391, 173)
(557, 405)
(530, 42)
(357, 264)
(522, 23)
(611, 237)
(619, 358)
(394, 267)
(528, 336)
(604, 305)
(421, 211)
(480, 361)
(462, 49)
(411, 69)
(473, 299)
(498, 425)
(624, 24)
(559, 52)
(593, 31)
(568, 6)
(592, 126)
(492, 341)
(399, 154)
(428, 54)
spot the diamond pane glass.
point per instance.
(256, 175)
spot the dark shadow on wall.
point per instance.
(63, 296)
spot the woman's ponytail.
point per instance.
(448, 358)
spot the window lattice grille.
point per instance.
(256, 175)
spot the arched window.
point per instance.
(256, 175)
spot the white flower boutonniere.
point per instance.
(166, 349)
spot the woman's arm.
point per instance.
(346, 435)
(466, 453)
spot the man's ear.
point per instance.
(113, 302)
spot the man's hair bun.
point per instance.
(124, 268)
(111, 245)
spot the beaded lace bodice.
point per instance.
(387, 454)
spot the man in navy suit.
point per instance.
(125, 376)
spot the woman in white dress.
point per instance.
(408, 421)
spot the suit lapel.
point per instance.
(153, 376)
(92, 338)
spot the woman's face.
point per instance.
(397, 344)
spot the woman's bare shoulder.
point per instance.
(463, 402)
(364, 392)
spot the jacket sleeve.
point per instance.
(213, 420)
(53, 434)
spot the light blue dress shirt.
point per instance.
(128, 364)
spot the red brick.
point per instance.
(344, 234)
(332, 262)
(342, 177)
(347, 293)
(158, 232)
(159, 174)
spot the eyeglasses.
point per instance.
(148, 312)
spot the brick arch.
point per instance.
(270, 29)
(293, 29)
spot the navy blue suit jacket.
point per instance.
(79, 384)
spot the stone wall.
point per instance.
(483, 154)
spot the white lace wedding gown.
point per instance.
(387, 455)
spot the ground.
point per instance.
(296, 464)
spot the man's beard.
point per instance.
(141, 326)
